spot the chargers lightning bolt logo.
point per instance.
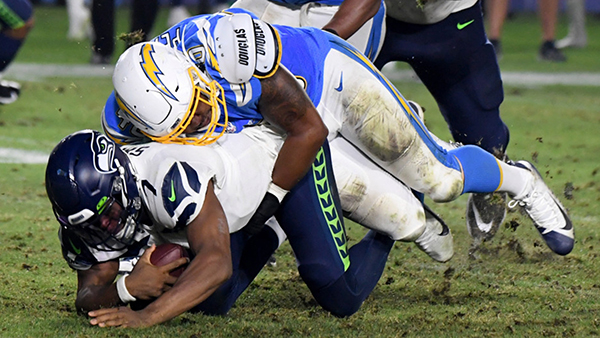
(152, 71)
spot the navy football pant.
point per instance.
(340, 278)
(459, 68)
(13, 15)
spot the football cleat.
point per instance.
(485, 214)
(436, 240)
(547, 213)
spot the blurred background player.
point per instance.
(143, 16)
(548, 13)
(16, 20)
(80, 26)
(577, 36)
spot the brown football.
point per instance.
(167, 253)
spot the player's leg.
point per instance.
(271, 12)
(340, 278)
(368, 39)
(16, 20)
(466, 84)
(249, 255)
(143, 16)
(375, 118)
(103, 22)
(375, 199)
(79, 20)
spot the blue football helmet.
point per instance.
(87, 173)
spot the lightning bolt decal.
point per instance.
(152, 71)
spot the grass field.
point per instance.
(510, 286)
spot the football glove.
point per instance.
(266, 209)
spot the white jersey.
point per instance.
(173, 179)
(425, 12)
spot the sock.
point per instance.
(515, 180)
(480, 169)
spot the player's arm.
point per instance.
(208, 236)
(285, 104)
(96, 287)
(351, 15)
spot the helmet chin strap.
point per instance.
(126, 233)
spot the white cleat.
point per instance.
(436, 240)
(547, 213)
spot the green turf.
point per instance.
(511, 286)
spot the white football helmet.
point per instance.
(158, 90)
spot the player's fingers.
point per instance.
(115, 321)
(169, 280)
(175, 264)
(148, 253)
(100, 312)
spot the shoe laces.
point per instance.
(539, 206)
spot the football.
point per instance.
(167, 253)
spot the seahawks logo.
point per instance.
(104, 154)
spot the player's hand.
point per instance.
(266, 210)
(117, 316)
(148, 281)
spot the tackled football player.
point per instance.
(107, 199)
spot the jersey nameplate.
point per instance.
(245, 47)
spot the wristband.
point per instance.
(331, 30)
(124, 294)
(277, 191)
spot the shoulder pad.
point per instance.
(246, 47)
(181, 196)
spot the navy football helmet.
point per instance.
(87, 173)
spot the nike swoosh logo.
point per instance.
(341, 86)
(77, 250)
(483, 226)
(172, 197)
(460, 26)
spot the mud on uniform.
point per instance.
(446, 45)
(355, 101)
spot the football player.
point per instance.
(108, 198)
(16, 20)
(246, 56)
(362, 23)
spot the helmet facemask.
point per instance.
(207, 92)
(117, 207)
